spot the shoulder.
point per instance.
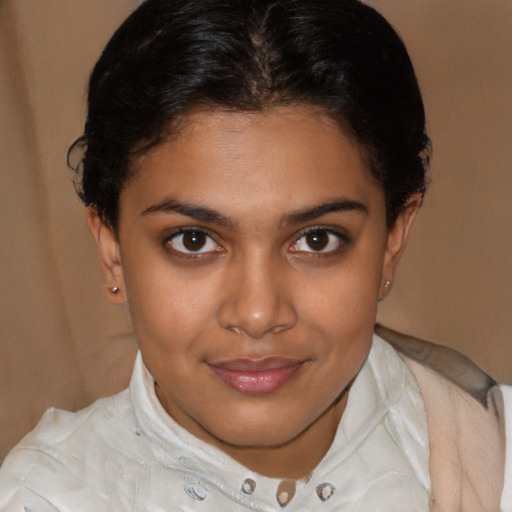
(465, 416)
(441, 362)
(54, 460)
(59, 430)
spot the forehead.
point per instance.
(291, 156)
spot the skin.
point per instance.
(258, 283)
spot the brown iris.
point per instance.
(317, 240)
(194, 240)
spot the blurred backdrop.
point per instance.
(63, 345)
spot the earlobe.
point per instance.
(396, 240)
(111, 266)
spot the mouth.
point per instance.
(256, 376)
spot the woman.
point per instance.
(251, 172)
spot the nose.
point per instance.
(257, 300)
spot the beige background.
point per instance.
(62, 345)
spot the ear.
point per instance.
(114, 287)
(397, 237)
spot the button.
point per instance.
(195, 491)
(248, 486)
(325, 491)
(285, 492)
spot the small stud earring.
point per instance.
(387, 285)
(114, 290)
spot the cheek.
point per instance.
(341, 309)
(345, 298)
(167, 306)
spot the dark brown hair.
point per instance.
(171, 56)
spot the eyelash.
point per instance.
(342, 241)
(192, 254)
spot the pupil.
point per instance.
(194, 240)
(317, 240)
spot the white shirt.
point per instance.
(125, 453)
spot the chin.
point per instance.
(263, 432)
(255, 442)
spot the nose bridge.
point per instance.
(258, 300)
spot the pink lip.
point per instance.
(256, 376)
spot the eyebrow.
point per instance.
(208, 215)
(199, 213)
(334, 206)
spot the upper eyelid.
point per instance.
(188, 229)
(337, 231)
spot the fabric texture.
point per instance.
(467, 444)
(125, 453)
(466, 421)
(506, 498)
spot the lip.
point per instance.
(256, 376)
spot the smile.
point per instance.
(256, 377)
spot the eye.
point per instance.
(319, 240)
(192, 241)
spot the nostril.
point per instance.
(234, 330)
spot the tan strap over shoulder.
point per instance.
(466, 425)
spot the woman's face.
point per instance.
(252, 251)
